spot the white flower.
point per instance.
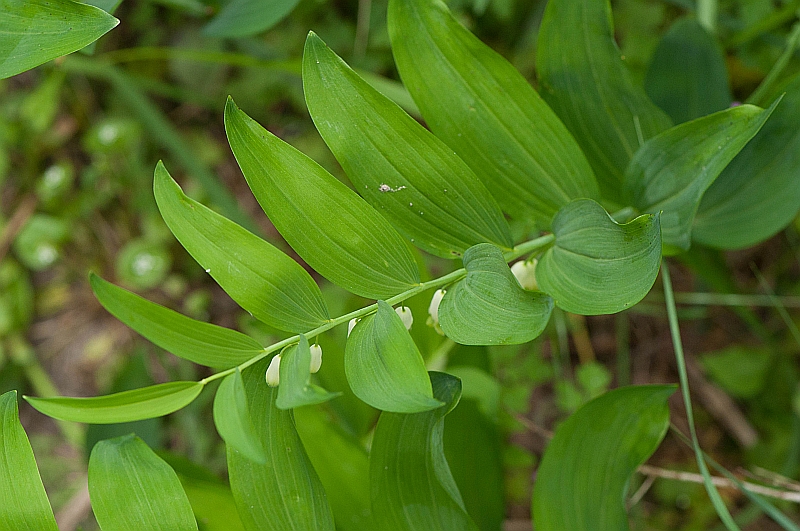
(525, 272)
(405, 315)
(274, 371)
(436, 300)
(351, 325)
(316, 357)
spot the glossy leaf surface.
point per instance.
(242, 18)
(23, 502)
(262, 279)
(330, 226)
(489, 307)
(671, 172)
(343, 467)
(585, 80)
(411, 485)
(296, 389)
(36, 31)
(145, 403)
(196, 341)
(233, 421)
(132, 488)
(285, 494)
(687, 77)
(596, 451)
(384, 367)
(758, 193)
(597, 266)
(477, 102)
(409, 175)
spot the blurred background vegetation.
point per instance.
(80, 137)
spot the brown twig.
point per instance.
(76, 510)
(23, 212)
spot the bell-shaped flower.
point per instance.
(316, 357)
(274, 371)
(525, 273)
(405, 315)
(352, 324)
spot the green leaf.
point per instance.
(23, 501)
(329, 225)
(597, 266)
(285, 494)
(409, 175)
(36, 31)
(411, 485)
(474, 100)
(145, 403)
(687, 77)
(212, 503)
(232, 418)
(196, 341)
(586, 468)
(671, 171)
(242, 18)
(132, 488)
(296, 389)
(384, 367)
(585, 80)
(342, 465)
(264, 281)
(489, 307)
(474, 450)
(758, 193)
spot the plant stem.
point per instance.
(674, 327)
(730, 299)
(520, 250)
(759, 95)
(707, 15)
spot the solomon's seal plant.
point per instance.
(610, 184)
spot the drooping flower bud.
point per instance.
(525, 273)
(274, 371)
(316, 357)
(351, 325)
(436, 300)
(405, 315)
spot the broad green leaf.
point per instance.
(23, 501)
(132, 488)
(36, 31)
(584, 473)
(585, 80)
(409, 175)
(296, 389)
(597, 266)
(489, 307)
(212, 504)
(411, 485)
(196, 341)
(233, 421)
(474, 450)
(145, 403)
(342, 465)
(329, 225)
(671, 171)
(242, 18)
(264, 281)
(758, 193)
(285, 494)
(474, 100)
(687, 77)
(384, 367)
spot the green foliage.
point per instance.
(596, 451)
(132, 488)
(412, 488)
(36, 31)
(23, 499)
